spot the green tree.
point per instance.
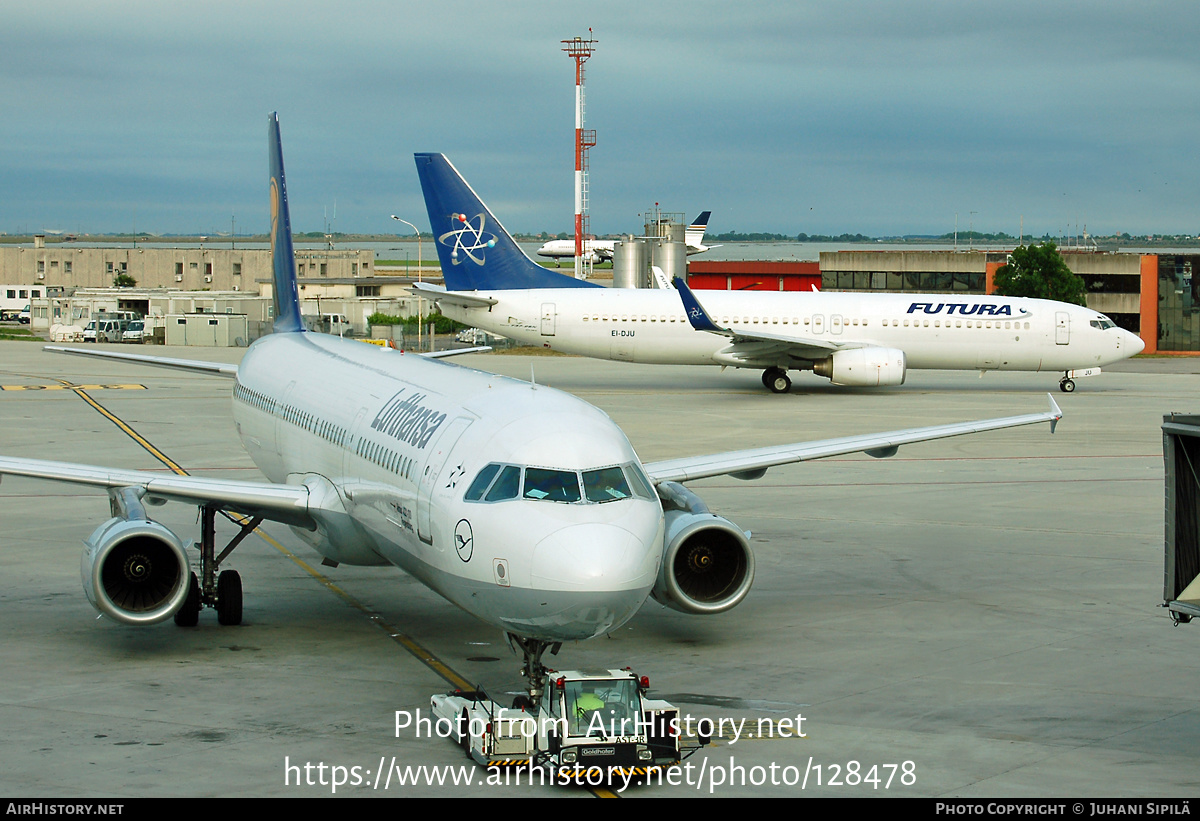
(1039, 271)
(124, 281)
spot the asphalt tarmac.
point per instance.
(973, 617)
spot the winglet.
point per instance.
(696, 315)
(283, 259)
(1056, 410)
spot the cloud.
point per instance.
(879, 117)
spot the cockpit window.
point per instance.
(506, 486)
(605, 485)
(475, 491)
(497, 482)
(551, 485)
(1103, 323)
(641, 485)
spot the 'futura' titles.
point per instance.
(963, 309)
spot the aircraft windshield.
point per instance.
(551, 485)
(605, 485)
(498, 483)
(1103, 323)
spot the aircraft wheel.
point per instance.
(778, 381)
(229, 598)
(1067, 386)
(189, 614)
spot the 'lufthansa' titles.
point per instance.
(408, 419)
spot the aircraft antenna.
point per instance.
(580, 50)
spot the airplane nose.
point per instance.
(1135, 344)
(594, 557)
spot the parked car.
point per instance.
(477, 336)
(136, 332)
(104, 330)
(23, 317)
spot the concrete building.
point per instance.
(76, 283)
(68, 266)
(84, 304)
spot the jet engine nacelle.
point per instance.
(707, 565)
(135, 571)
(864, 367)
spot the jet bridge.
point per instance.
(1181, 453)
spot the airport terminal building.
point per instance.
(1152, 295)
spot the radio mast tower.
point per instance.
(581, 50)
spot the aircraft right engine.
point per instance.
(135, 571)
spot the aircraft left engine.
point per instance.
(707, 564)
(135, 571)
(864, 367)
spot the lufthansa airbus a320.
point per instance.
(523, 505)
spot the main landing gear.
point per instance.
(533, 670)
(221, 591)
(776, 380)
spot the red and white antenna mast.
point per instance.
(581, 50)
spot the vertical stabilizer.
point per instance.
(283, 258)
(476, 253)
(694, 236)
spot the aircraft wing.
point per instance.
(280, 503)
(753, 463)
(199, 366)
(440, 294)
(455, 352)
(756, 345)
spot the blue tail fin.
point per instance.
(283, 258)
(476, 253)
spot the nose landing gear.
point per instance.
(533, 670)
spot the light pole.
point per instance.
(418, 230)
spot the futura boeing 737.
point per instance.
(597, 250)
(525, 506)
(850, 338)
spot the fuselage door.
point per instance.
(1062, 328)
(432, 482)
(835, 323)
(548, 319)
(818, 324)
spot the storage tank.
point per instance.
(630, 266)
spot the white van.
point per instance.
(104, 330)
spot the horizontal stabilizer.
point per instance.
(213, 368)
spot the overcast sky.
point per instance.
(816, 117)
